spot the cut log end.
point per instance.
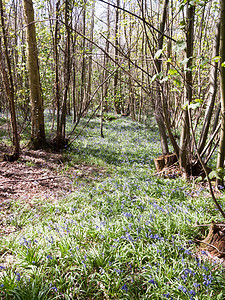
(165, 161)
(214, 243)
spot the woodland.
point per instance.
(112, 148)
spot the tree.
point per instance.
(61, 127)
(5, 69)
(38, 139)
(117, 103)
(185, 153)
(221, 150)
(90, 50)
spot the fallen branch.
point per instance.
(32, 180)
(165, 169)
(210, 245)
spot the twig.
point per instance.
(201, 225)
(31, 180)
(221, 252)
(164, 169)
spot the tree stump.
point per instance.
(214, 243)
(165, 161)
(159, 163)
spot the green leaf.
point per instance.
(223, 64)
(214, 174)
(185, 106)
(173, 72)
(204, 62)
(199, 179)
(194, 105)
(182, 23)
(179, 46)
(154, 77)
(165, 79)
(216, 58)
(185, 61)
(198, 100)
(177, 82)
(158, 53)
(193, 2)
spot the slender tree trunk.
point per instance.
(106, 62)
(84, 65)
(101, 122)
(212, 92)
(221, 151)
(184, 155)
(62, 128)
(9, 88)
(159, 91)
(143, 46)
(74, 94)
(117, 105)
(56, 58)
(90, 52)
(37, 110)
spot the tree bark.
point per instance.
(117, 105)
(83, 99)
(212, 92)
(62, 128)
(159, 88)
(37, 110)
(184, 155)
(221, 151)
(9, 88)
(56, 59)
(90, 52)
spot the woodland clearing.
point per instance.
(110, 229)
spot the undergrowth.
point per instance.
(125, 235)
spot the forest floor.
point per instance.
(38, 175)
(95, 222)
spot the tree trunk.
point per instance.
(9, 88)
(56, 58)
(117, 106)
(84, 65)
(37, 111)
(212, 92)
(184, 155)
(159, 88)
(106, 62)
(62, 127)
(221, 151)
(90, 52)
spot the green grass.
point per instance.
(125, 235)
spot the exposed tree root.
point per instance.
(214, 243)
(167, 166)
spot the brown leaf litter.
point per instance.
(39, 175)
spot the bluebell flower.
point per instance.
(196, 284)
(124, 288)
(153, 282)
